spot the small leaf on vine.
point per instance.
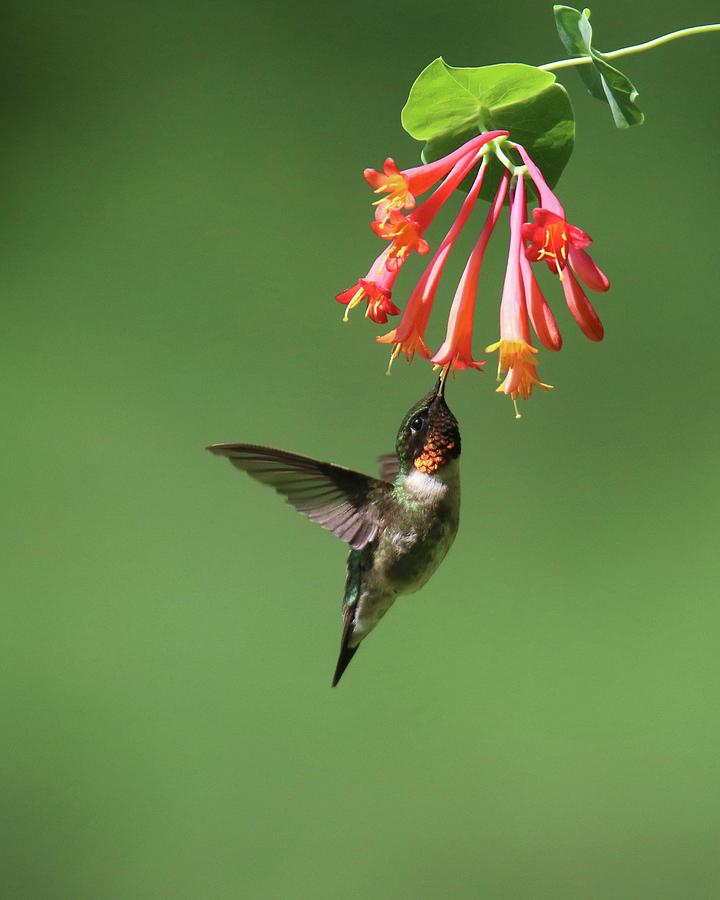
(603, 81)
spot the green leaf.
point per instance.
(448, 105)
(602, 80)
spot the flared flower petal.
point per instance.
(379, 302)
(376, 287)
(413, 343)
(549, 236)
(405, 234)
(394, 183)
(517, 360)
(402, 187)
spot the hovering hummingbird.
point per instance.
(399, 527)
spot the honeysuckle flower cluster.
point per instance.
(543, 236)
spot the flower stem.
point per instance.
(636, 48)
(508, 163)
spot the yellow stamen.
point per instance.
(545, 252)
(393, 356)
(354, 301)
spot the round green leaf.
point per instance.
(448, 105)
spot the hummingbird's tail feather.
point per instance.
(346, 651)
(346, 654)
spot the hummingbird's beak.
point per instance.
(440, 386)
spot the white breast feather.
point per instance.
(425, 488)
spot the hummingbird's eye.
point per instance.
(417, 423)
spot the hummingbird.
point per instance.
(399, 526)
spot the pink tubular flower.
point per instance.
(549, 233)
(406, 232)
(515, 350)
(409, 336)
(456, 351)
(562, 246)
(541, 317)
(376, 288)
(403, 187)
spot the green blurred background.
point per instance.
(181, 198)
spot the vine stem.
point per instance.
(636, 48)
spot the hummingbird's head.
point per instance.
(429, 436)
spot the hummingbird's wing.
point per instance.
(389, 466)
(339, 499)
